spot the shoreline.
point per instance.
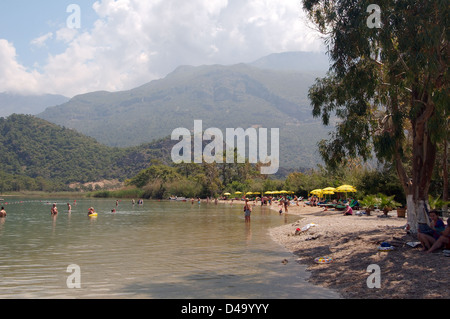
(352, 242)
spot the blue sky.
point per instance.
(125, 43)
(22, 21)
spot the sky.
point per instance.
(119, 45)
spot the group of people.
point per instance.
(436, 235)
(54, 210)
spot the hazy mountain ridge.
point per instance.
(233, 96)
(11, 103)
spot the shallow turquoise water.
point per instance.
(158, 250)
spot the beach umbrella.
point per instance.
(346, 189)
(249, 193)
(227, 194)
(328, 192)
(329, 189)
(317, 192)
(283, 192)
(238, 193)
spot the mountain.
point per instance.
(236, 96)
(316, 63)
(28, 104)
(36, 149)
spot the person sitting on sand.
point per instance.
(443, 241)
(348, 210)
(428, 236)
(2, 213)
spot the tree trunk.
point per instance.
(424, 158)
(445, 175)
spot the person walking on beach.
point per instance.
(2, 213)
(247, 211)
(286, 204)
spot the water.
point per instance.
(160, 250)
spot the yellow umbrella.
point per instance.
(329, 189)
(249, 193)
(238, 193)
(227, 194)
(317, 192)
(346, 189)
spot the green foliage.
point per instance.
(437, 203)
(123, 193)
(38, 155)
(369, 202)
(387, 203)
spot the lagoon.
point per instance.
(159, 250)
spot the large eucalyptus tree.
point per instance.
(388, 86)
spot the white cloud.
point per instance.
(40, 41)
(13, 76)
(135, 41)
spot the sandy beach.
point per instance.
(352, 242)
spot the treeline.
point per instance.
(160, 181)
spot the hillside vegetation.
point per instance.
(38, 155)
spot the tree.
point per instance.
(387, 85)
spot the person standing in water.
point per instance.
(2, 213)
(247, 211)
(54, 210)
